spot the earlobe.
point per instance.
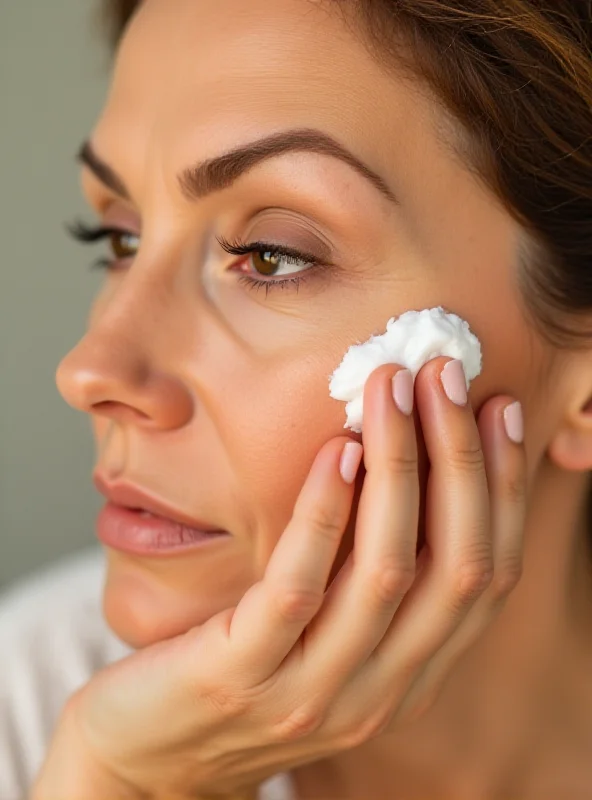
(571, 446)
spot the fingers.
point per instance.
(273, 613)
(502, 431)
(505, 462)
(459, 561)
(376, 623)
(360, 603)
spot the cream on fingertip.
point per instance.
(411, 340)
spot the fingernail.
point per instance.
(350, 461)
(403, 391)
(454, 382)
(514, 422)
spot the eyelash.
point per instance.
(91, 235)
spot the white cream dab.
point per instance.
(411, 340)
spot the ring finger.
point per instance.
(505, 463)
(459, 560)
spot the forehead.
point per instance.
(234, 42)
(230, 70)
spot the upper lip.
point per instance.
(130, 496)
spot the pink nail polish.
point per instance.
(403, 391)
(350, 461)
(454, 382)
(514, 422)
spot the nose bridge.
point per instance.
(144, 313)
(130, 360)
(157, 296)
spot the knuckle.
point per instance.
(401, 464)
(376, 725)
(325, 523)
(390, 581)
(299, 723)
(298, 604)
(367, 729)
(515, 489)
(226, 703)
(505, 580)
(471, 580)
(467, 457)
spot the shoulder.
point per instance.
(52, 638)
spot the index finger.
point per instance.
(273, 613)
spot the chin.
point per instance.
(140, 611)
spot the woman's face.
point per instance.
(213, 394)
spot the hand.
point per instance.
(297, 672)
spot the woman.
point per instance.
(409, 153)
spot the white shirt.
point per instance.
(53, 637)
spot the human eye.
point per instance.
(271, 260)
(124, 244)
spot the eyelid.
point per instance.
(288, 226)
(240, 247)
(121, 218)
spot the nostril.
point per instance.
(112, 407)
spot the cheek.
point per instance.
(278, 447)
(284, 419)
(263, 435)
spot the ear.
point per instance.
(571, 445)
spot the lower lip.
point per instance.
(140, 533)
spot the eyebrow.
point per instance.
(219, 173)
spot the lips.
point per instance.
(139, 524)
(131, 497)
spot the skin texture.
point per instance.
(215, 397)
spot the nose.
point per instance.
(120, 370)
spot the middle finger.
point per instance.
(459, 557)
(361, 601)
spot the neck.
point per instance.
(516, 713)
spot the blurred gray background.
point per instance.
(54, 69)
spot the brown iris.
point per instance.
(123, 244)
(265, 262)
